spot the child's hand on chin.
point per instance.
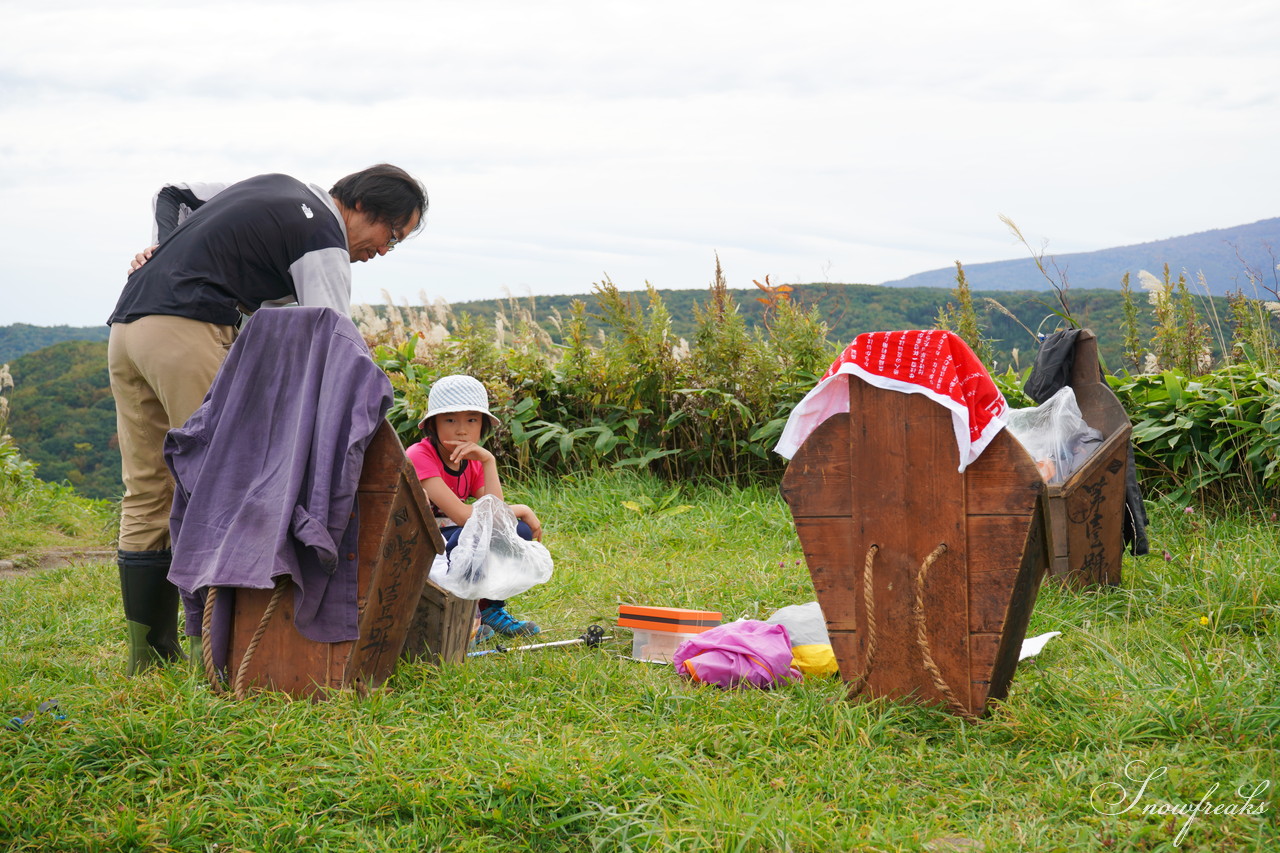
(462, 450)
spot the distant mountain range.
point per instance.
(1224, 256)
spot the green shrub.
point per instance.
(1214, 436)
(635, 396)
(35, 515)
(14, 470)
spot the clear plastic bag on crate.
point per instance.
(1055, 434)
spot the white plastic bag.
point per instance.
(490, 559)
(1055, 434)
(804, 623)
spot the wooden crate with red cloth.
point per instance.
(923, 522)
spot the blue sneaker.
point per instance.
(503, 622)
(483, 633)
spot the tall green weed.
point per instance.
(1182, 338)
(962, 318)
(633, 396)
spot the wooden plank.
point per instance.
(398, 573)
(908, 499)
(1022, 600)
(1000, 538)
(397, 564)
(815, 483)
(989, 595)
(833, 557)
(983, 652)
(817, 487)
(384, 462)
(441, 627)
(1090, 508)
(1004, 575)
(374, 511)
(1098, 404)
(836, 569)
(283, 660)
(997, 482)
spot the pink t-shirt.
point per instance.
(427, 463)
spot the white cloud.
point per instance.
(564, 141)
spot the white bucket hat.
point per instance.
(457, 393)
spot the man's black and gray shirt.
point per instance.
(224, 250)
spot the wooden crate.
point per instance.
(1086, 512)
(399, 538)
(441, 628)
(885, 475)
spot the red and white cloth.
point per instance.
(935, 363)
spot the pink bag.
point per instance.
(743, 652)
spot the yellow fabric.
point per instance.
(814, 659)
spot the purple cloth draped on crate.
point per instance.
(266, 470)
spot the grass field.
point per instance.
(1160, 695)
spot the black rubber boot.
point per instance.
(150, 608)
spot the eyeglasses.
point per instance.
(394, 241)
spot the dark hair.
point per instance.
(429, 430)
(387, 193)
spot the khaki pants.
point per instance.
(161, 367)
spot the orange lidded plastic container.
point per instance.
(658, 631)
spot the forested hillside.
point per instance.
(851, 309)
(21, 338)
(62, 416)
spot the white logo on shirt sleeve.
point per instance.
(307, 211)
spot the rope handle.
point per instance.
(242, 672)
(206, 647)
(217, 679)
(922, 635)
(859, 684)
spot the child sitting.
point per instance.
(453, 467)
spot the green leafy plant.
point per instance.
(13, 468)
(1254, 336)
(1129, 328)
(634, 395)
(665, 505)
(1208, 436)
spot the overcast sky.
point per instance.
(561, 142)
